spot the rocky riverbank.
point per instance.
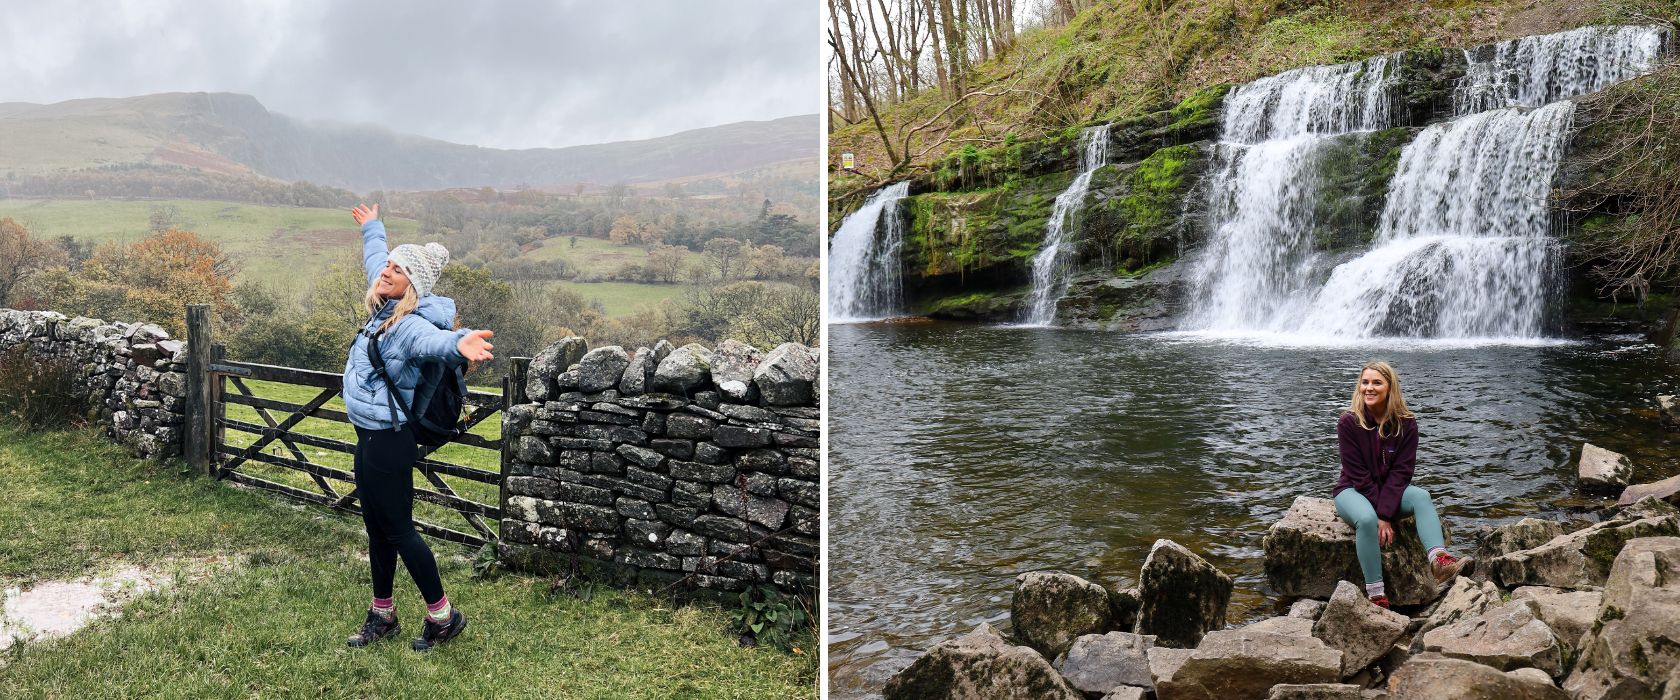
(1585, 610)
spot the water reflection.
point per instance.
(963, 455)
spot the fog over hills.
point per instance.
(233, 133)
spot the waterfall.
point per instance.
(864, 276)
(1462, 248)
(1052, 267)
(1259, 264)
(1536, 70)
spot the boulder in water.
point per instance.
(1633, 648)
(1603, 471)
(1182, 596)
(978, 666)
(1310, 550)
(1579, 559)
(1667, 490)
(1669, 408)
(1050, 609)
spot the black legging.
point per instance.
(385, 477)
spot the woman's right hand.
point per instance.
(363, 213)
(1385, 533)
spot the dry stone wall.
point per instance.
(687, 467)
(133, 374)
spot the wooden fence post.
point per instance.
(218, 409)
(513, 394)
(197, 447)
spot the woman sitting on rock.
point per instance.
(1379, 439)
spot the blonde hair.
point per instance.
(1393, 412)
(373, 301)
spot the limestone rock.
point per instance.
(1578, 559)
(1669, 407)
(787, 376)
(1465, 599)
(602, 368)
(638, 373)
(1363, 632)
(1433, 677)
(978, 666)
(1603, 471)
(1165, 661)
(554, 359)
(1242, 663)
(733, 363)
(685, 371)
(1050, 609)
(1127, 692)
(1096, 663)
(1569, 613)
(1499, 540)
(1647, 507)
(1633, 649)
(1310, 550)
(1666, 489)
(1306, 608)
(1182, 596)
(1315, 691)
(1508, 637)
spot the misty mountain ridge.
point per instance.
(234, 134)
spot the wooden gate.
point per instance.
(207, 449)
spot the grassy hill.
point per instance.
(234, 134)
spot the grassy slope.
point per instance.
(274, 243)
(275, 627)
(1106, 64)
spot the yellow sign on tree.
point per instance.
(846, 161)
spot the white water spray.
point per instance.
(1053, 267)
(865, 281)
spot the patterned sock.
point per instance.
(386, 607)
(1435, 552)
(439, 612)
(1373, 590)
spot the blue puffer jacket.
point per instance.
(422, 336)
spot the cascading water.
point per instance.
(1052, 267)
(1536, 70)
(864, 279)
(1259, 262)
(1462, 249)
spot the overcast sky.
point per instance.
(507, 74)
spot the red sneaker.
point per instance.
(1380, 601)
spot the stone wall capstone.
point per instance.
(665, 465)
(134, 374)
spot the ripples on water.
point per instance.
(963, 455)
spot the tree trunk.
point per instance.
(848, 94)
(933, 45)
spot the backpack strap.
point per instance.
(391, 387)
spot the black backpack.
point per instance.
(438, 398)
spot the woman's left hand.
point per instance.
(475, 346)
(1385, 533)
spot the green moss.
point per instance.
(1153, 204)
(1353, 173)
(1198, 107)
(965, 231)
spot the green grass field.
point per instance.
(283, 245)
(273, 626)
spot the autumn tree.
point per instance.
(22, 256)
(722, 254)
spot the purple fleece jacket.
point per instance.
(1379, 468)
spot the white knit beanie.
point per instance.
(422, 264)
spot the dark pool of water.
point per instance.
(963, 455)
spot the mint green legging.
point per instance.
(1356, 511)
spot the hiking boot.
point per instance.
(376, 627)
(1380, 601)
(1446, 567)
(435, 634)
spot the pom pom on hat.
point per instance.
(422, 264)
